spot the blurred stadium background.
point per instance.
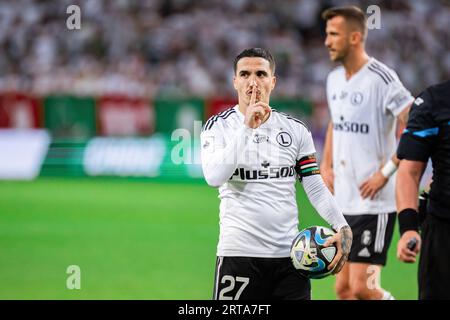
(88, 122)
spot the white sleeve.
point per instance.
(397, 96)
(220, 154)
(323, 201)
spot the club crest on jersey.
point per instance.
(356, 98)
(284, 139)
(258, 138)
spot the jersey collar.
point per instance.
(360, 71)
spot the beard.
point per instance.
(341, 55)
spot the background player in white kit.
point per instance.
(254, 154)
(365, 97)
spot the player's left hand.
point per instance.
(343, 240)
(404, 253)
(371, 186)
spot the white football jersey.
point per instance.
(258, 208)
(363, 112)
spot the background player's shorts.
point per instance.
(372, 236)
(248, 278)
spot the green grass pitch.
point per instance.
(132, 239)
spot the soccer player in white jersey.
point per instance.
(254, 155)
(365, 99)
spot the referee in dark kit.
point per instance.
(427, 135)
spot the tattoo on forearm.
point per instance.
(346, 244)
(347, 237)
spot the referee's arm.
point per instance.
(408, 180)
(415, 148)
(406, 191)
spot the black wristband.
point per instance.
(408, 219)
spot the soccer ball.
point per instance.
(308, 254)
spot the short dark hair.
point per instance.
(256, 52)
(352, 14)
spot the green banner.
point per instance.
(70, 117)
(64, 158)
(156, 156)
(172, 114)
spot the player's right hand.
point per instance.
(403, 253)
(343, 240)
(370, 187)
(256, 111)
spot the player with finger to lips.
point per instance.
(254, 155)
